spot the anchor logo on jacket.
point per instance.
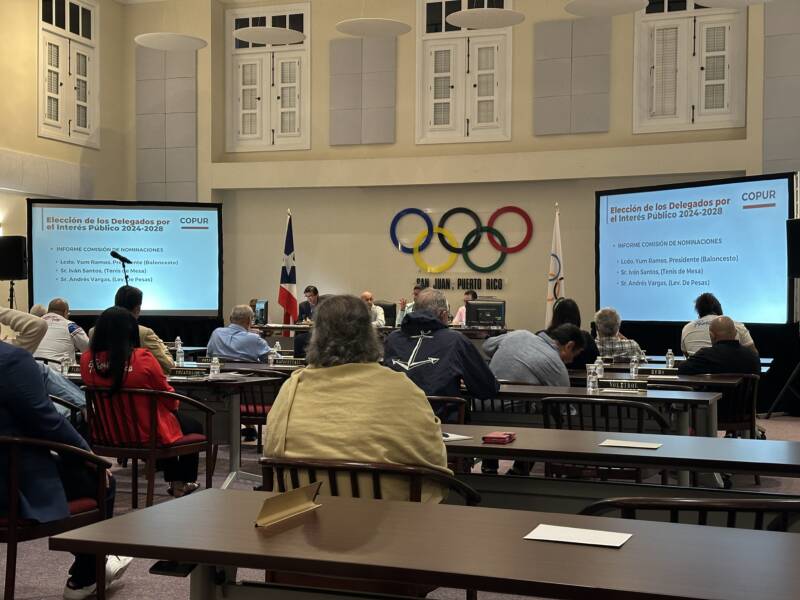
(411, 364)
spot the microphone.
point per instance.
(119, 257)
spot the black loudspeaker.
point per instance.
(13, 258)
(793, 246)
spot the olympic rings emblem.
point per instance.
(448, 240)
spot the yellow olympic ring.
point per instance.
(445, 265)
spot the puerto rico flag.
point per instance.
(287, 294)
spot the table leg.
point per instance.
(684, 428)
(235, 432)
(202, 584)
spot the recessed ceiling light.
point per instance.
(170, 41)
(485, 18)
(372, 27)
(269, 35)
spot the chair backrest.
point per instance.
(257, 399)
(74, 409)
(738, 408)
(126, 418)
(12, 448)
(598, 414)
(389, 311)
(450, 409)
(784, 512)
(277, 470)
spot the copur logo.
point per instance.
(471, 240)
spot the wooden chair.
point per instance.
(256, 402)
(451, 408)
(75, 411)
(114, 431)
(83, 511)
(786, 511)
(598, 414)
(277, 469)
(503, 405)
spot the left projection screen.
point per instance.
(175, 250)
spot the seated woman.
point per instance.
(115, 360)
(346, 406)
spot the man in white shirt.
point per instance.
(406, 307)
(63, 337)
(695, 335)
(376, 312)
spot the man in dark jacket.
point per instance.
(435, 357)
(46, 485)
(726, 354)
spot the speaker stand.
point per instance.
(11, 296)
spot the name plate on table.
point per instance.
(623, 384)
(658, 371)
(287, 505)
(290, 362)
(188, 372)
(74, 370)
(204, 359)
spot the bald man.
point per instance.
(63, 337)
(726, 354)
(378, 318)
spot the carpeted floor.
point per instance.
(41, 574)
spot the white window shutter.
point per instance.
(55, 83)
(286, 96)
(715, 67)
(485, 82)
(664, 84)
(250, 95)
(82, 81)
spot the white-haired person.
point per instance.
(610, 342)
(236, 341)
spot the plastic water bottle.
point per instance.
(277, 347)
(214, 370)
(65, 365)
(271, 358)
(178, 351)
(634, 366)
(592, 384)
(670, 359)
(599, 368)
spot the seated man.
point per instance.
(695, 335)
(435, 357)
(235, 341)
(610, 342)
(38, 310)
(461, 313)
(726, 354)
(30, 330)
(537, 359)
(346, 406)
(130, 298)
(407, 307)
(375, 311)
(63, 336)
(47, 484)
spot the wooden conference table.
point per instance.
(444, 546)
(225, 392)
(685, 402)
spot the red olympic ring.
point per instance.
(528, 233)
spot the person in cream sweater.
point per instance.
(346, 406)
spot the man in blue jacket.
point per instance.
(47, 484)
(435, 357)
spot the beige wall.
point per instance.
(13, 216)
(18, 102)
(342, 240)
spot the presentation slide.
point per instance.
(659, 249)
(174, 253)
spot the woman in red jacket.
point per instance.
(116, 361)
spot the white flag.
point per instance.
(555, 274)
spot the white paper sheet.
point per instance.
(573, 535)
(629, 444)
(663, 377)
(454, 437)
